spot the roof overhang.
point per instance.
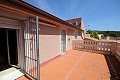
(26, 8)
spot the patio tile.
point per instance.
(80, 65)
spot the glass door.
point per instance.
(63, 40)
(12, 46)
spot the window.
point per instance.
(76, 34)
(79, 24)
(75, 23)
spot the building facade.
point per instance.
(18, 35)
(78, 22)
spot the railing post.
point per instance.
(37, 49)
(113, 47)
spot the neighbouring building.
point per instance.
(19, 25)
(113, 38)
(100, 36)
(87, 35)
(78, 22)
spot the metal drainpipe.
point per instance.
(37, 48)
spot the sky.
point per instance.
(99, 14)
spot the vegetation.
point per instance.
(110, 33)
(93, 34)
(105, 33)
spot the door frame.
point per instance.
(18, 27)
(18, 47)
(61, 28)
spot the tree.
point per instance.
(106, 34)
(94, 34)
(89, 31)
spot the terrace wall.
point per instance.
(118, 51)
(103, 47)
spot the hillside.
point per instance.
(109, 33)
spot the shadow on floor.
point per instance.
(114, 67)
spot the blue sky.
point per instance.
(99, 14)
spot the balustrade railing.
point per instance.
(91, 45)
(118, 51)
(118, 47)
(105, 47)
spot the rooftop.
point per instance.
(25, 8)
(75, 21)
(81, 65)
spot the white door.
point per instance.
(63, 40)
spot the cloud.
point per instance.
(42, 4)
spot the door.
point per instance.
(31, 39)
(63, 40)
(12, 46)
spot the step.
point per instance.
(10, 74)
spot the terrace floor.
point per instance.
(80, 65)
